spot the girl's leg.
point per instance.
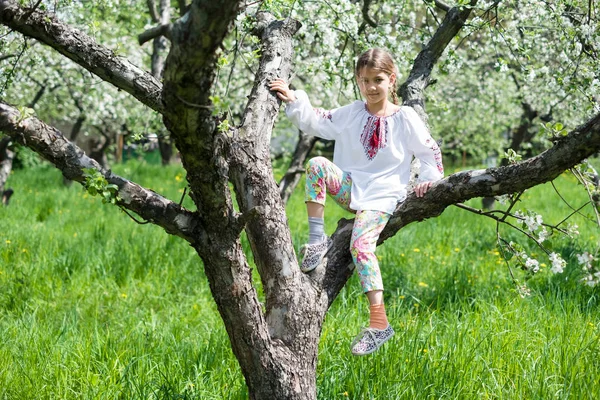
(323, 177)
(367, 228)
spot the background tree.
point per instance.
(275, 343)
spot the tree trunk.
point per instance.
(6, 161)
(296, 168)
(159, 46)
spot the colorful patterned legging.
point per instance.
(324, 177)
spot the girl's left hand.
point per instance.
(422, 188)
(283, 90)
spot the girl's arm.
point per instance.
(426, 149)
(315, 122)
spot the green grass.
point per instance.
(93, 305)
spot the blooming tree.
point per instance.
(225, 143)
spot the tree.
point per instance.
(275, 343)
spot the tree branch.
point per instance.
(253, 180)
(296, 168)
(7, 56)
(411, 91)
(153, 11)
(442, 6)
(154, 32)
(71, 160)
(84, 51)
(365, 12)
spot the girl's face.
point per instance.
(375, 84)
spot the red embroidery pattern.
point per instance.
(374, 135)
(437, 154)
(322, 113)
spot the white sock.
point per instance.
(316, 230)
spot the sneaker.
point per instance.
(370, 339)
(312, 254)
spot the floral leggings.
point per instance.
(324, 177)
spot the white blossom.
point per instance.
(532, 264)
(558, 264)
(533, 222)
(543, 235)
(585, 260)
(573, 229)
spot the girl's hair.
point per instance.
(381, 60)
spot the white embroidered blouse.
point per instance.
(375, 151)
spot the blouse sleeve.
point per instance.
(424, 147)
(313, 121)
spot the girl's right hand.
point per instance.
(283, 90)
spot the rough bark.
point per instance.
(292, 176)
(6, 161)
(159, 47)
(188, 76)
(294, 310)
(83, 50)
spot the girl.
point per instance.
(375, 141)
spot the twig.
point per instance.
(512, 204)
(31, 10)
(183, 196)
(590, 196)
(187, 103)
(565, 201)
(133, 218)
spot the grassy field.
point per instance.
(95, 306)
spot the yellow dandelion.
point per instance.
(402, 255)
(24, 251)
(402, 296)
(124, 295)
(178, 178)
(425, 350)
(423, 284)
(8, 241)
(496, 253)
(456, 249)
(345, 394)
(416, 250)
(542, 265)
